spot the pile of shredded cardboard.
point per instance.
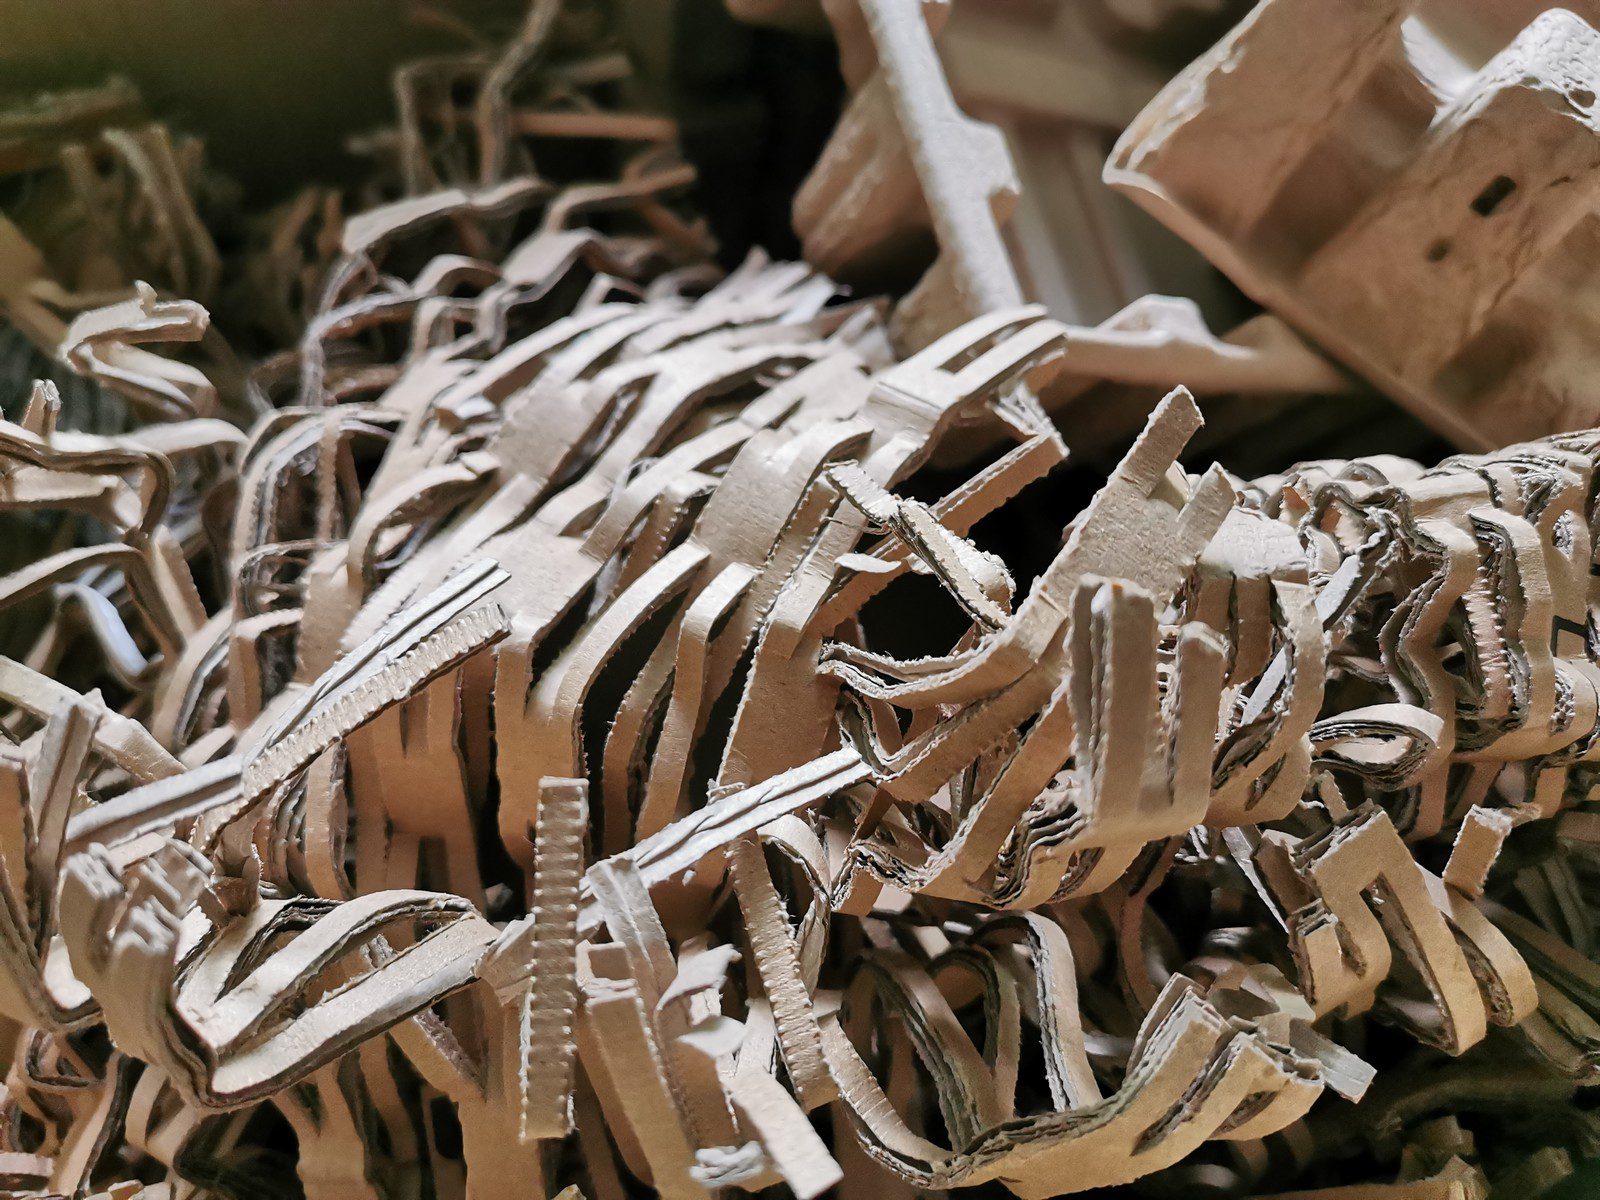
(511, 740)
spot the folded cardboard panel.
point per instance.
(1419, 208)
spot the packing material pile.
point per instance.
(580, 720)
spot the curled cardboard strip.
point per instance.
(528, 758)
(279, 864)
